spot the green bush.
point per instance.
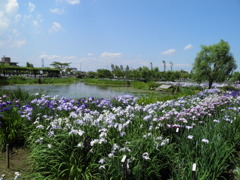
(139, 85)
(20, 78)
(229, 88)
(11, 126)
(152, 85)
(105, 82)
(17, 94)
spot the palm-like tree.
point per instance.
(164, 65)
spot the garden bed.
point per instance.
(117, 138)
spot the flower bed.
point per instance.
(117, 138)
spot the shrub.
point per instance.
(229, 88)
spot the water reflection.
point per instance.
(76, 90)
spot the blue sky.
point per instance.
(94, 34)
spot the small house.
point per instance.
(7, 60)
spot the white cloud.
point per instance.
(8, 13)
(73, 2)
(31, 6)
(110, 55)
(19, 43)
(57, 58)
(12, 39)
(56, 11)
(92, 63)
(13, 43)
(4, 22)
(55, 27)
(36, 22)
(169, 52)
(11, 7)
(11, 18)
(90, 54)
(188, 47)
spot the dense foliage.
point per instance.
(60, 66)
(7, 70)
(214, 63)
(141, 73)
(26, 80)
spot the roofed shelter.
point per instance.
(164, 87)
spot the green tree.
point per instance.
(60, 66)
(117, 71)
(127, 71)
(145, 74)
(29, 65)
(112, 67)
(214, 63)
(104, 73)
(164, 65)
(91, 74)
(235, 77)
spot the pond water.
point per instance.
(76, 90)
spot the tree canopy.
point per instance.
(214, 63)
(104, 73)
(29, 65)
(59, 65)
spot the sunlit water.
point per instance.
(76, 90)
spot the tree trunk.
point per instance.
(210, 82)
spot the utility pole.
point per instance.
(171, 63)
(151, 70)
(43, 63)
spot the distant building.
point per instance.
(73, 69)
(7, 60)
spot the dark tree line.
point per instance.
(142, 73)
